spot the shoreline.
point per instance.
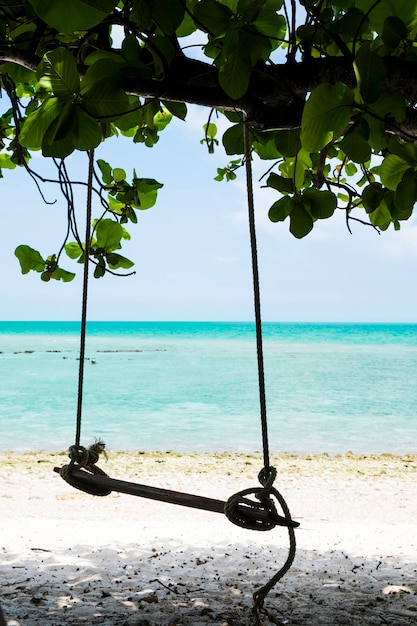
(402, 466)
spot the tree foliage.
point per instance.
(328, 89)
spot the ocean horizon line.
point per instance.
(204, 321)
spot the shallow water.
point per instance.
(193, 386)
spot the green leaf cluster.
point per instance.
(74, 114)
(81, 71)
(108, 235)
(124, 197)
(240, 34)
(48, 268)
(302, 209)
(108, 232)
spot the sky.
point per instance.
(192, 249)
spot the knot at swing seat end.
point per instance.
(268, 517)
(66, 472)
(85, 458)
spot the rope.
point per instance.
(256, 296)
(87, 249)
(85, 458)
(268, 473)
(259, 596)
(264, 503)
(81, 457)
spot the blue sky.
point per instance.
(192, 251)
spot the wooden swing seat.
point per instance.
(103, 482)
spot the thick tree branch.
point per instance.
(276, 93)
(18, 57)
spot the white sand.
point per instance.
(71, 558)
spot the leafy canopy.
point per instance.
(328, 89)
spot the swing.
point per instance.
(259, 513)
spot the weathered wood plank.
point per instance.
(175, 497)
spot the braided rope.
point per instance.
(259, 596)
(81, 457)
(85, 458)
(264, 502)
(268, 474)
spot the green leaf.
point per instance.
(100, 269)
(390, 105)
(108, 235)
(178, 109)
(392, 171)
(321, 204)
(288, 142)
(168, 14)
(6, 162)
(106, 99)
(146, 190)
(103, 68)
(213, 16)
(102, 92)
(378, 12)
(406, 192)
(235, 64)
(296, 167)
(58, 72)
(301, 222)
(187, 26)
(406, 151)
(116, 261)
(57, 148)
(281, 209)
(381, 217)
(29, 259)
(162, 51)
(351, 169)
(372, 196)
(210, 130)
(74, 250)
(64, 275)
(259, 48)
(269, 23)
(63, 125)
(118, 174)
(68, 16)
(87, 133)
(370, 73)
(284, 185)
(378, 138)
(34, 127)
(355, 143)
(72, 129)
(394, 32)
(354, 21)
(162, 119)
(233, 140)
(326, 114)
(106, 171)
(265, 147)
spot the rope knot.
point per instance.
(263, 502)
(85, 458)
(267, 477)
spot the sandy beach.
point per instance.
(72, 558)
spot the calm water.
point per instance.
(193, 386)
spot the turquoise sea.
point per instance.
(192, 386)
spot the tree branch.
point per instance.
(276, 94)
